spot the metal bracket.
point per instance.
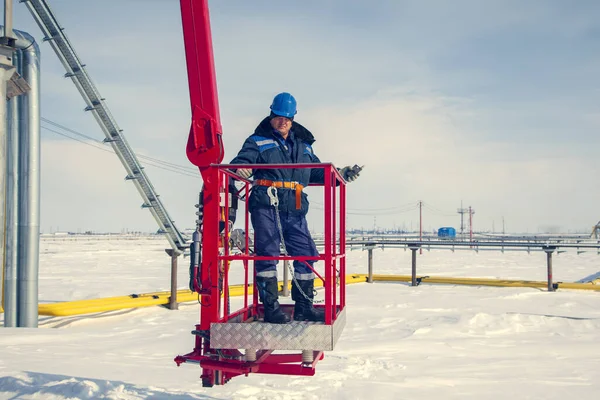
(15, 85)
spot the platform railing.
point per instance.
(333, 253)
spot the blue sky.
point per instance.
(492, 103)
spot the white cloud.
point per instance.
(84, 188)
(401, 87)
(412, 152)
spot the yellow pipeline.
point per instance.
(161, 298)
(484, 282)
(142, 300)
(118, 303)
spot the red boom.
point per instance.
(204, 148)
(204, 145)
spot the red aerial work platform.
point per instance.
(228, 344)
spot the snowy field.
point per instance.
(428, 342)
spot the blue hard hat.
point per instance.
(284, 105)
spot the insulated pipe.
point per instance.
(23, 40)
(14, 112)
(6, 71)
(29, 190)
(485, 282)
(90, 306)
(79, 307)
(28, 174)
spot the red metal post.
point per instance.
(209, 269)
(204, 145)
(343, 245)
(247, 245)
(335, 249)
(224, 264)
(204, 148)
(328, 244)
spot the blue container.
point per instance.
(447, 232)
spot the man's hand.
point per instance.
(244, 172)
(351, 173)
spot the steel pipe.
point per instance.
(20, 264)
(12, 206)
(173, 305)
(29, 187)
(549, 250)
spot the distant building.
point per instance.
(447, 232)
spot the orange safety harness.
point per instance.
(285, 185)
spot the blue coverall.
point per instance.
(267, 146)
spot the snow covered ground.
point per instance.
(428, 342)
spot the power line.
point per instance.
(99, 145)
(358, 211)
(78, 140)
(437, 211)
(386, 213)
(142, 156)
(411, 206)
(400, 209)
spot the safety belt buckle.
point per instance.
(272, 193)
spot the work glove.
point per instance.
(244, 172)
(350, 173)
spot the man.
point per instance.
(278, 139)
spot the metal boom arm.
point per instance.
(204, 145)
(204, 149)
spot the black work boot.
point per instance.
(267, 292)
(304, 310)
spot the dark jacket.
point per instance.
(266, 146)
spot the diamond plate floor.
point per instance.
(291, 336)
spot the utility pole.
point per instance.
(471, 212)
(462, 211)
